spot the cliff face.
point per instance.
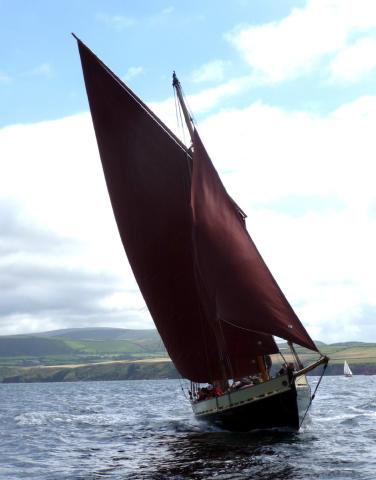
(130, 371)
(105, 371)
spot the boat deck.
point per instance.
(246, 394)
(272, 404)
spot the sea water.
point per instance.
(145, 430)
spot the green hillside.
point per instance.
(22, 345)
(102, 333)
(337, 350)
(360, 355)
(77, 346)
(110, 353)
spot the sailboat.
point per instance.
(214, 301)
(346, 370)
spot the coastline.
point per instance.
(147, 369)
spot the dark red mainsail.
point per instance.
(148, 175)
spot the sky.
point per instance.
(284, 97)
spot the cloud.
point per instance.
(117, 22)
(168, 10)
(202, 102)
(61, 260)
(43, 70)
(294, 46)
(300, 205)
(160, 17)
(210, 98)
(131, 73)
(41, 275)
(33, 288)
(305, 180)
(354, 62)
(4, 78)
(210, 72)
(324, 155)
(21, 235)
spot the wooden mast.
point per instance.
(189, 122)
(187, 116)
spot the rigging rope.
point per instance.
(187, 105)
(314, 394)
(239, 326)
(180, 124)
(182, 388)
(283, 358)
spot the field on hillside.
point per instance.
(110, 354)
(77, 346)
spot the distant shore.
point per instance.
(117, 370)
(153, 369)
(92, 354)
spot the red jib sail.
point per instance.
(147, 170)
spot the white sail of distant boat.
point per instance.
(346, 370)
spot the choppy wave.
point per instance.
(145, 430)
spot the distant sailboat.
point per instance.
(346, 370)
(215, 303)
